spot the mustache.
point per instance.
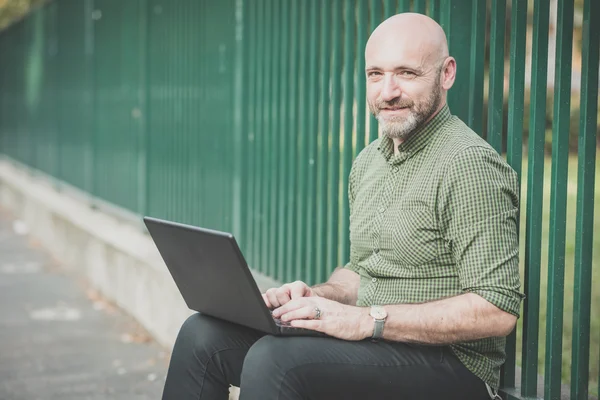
(396, 103)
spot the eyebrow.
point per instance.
(398, 68)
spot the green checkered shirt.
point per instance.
(438, 219)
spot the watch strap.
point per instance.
(378, 331)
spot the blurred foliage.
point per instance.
(13, 10)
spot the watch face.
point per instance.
(378, 312)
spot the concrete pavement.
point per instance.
(59, 339)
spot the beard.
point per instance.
(402, 127)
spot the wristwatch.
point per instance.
(379, 315)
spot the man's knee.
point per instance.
(274, 366)
(199, 335)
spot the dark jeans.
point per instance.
(211, 354)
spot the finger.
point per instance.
(289, 306)
(283, 295)
(298, 289)
(300, 313)
(314, 324)
(266, 300)
(272, 297)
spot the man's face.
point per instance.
(403, 87)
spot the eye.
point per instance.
(407, 74)
(373, 74)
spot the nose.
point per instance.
(391, 89)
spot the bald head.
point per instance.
(408, 72)
(415, 35)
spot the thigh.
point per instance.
(207, 358)
(324, 368)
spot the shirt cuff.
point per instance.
(507, 300)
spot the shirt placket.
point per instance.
(383, 203)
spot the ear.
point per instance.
(448, 73)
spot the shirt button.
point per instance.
(382, 209)
(374, 280)
(395, 169)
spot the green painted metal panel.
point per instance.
(584, 223)
(117, 112)
(74, 111)
(535, 197)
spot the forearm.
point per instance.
(452, 320)
(342, 286)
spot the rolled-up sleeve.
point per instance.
(479, 211)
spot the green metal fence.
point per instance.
(245, 116)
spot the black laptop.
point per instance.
(213, 276)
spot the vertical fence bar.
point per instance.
(292, 131)
(250, 134)
(496, 93)
(259, 134)
(457, 25)
(403, 6)
(336, 99)
(313, 128)
(347, 152)
(267, 133)
(558, 200)
(516, 93)
(477, 66)
(419, 6)
(284, 148)
(324, 135)
(535, 197)
(516, 104)
(434, 10)
(302, 143)
(275, 136)
(375, 20)
(239, 88)
(389, 8)
(361, 40)
(241, 121)
(584, 233)
(142, 98)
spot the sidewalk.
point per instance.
(59, 339)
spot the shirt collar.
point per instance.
(416, 141)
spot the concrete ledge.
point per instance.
(114, 253)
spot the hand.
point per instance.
(276, 297)
(338, 320)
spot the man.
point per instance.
(432, 286)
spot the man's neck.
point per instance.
(398, 142)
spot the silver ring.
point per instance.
(317, 313)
